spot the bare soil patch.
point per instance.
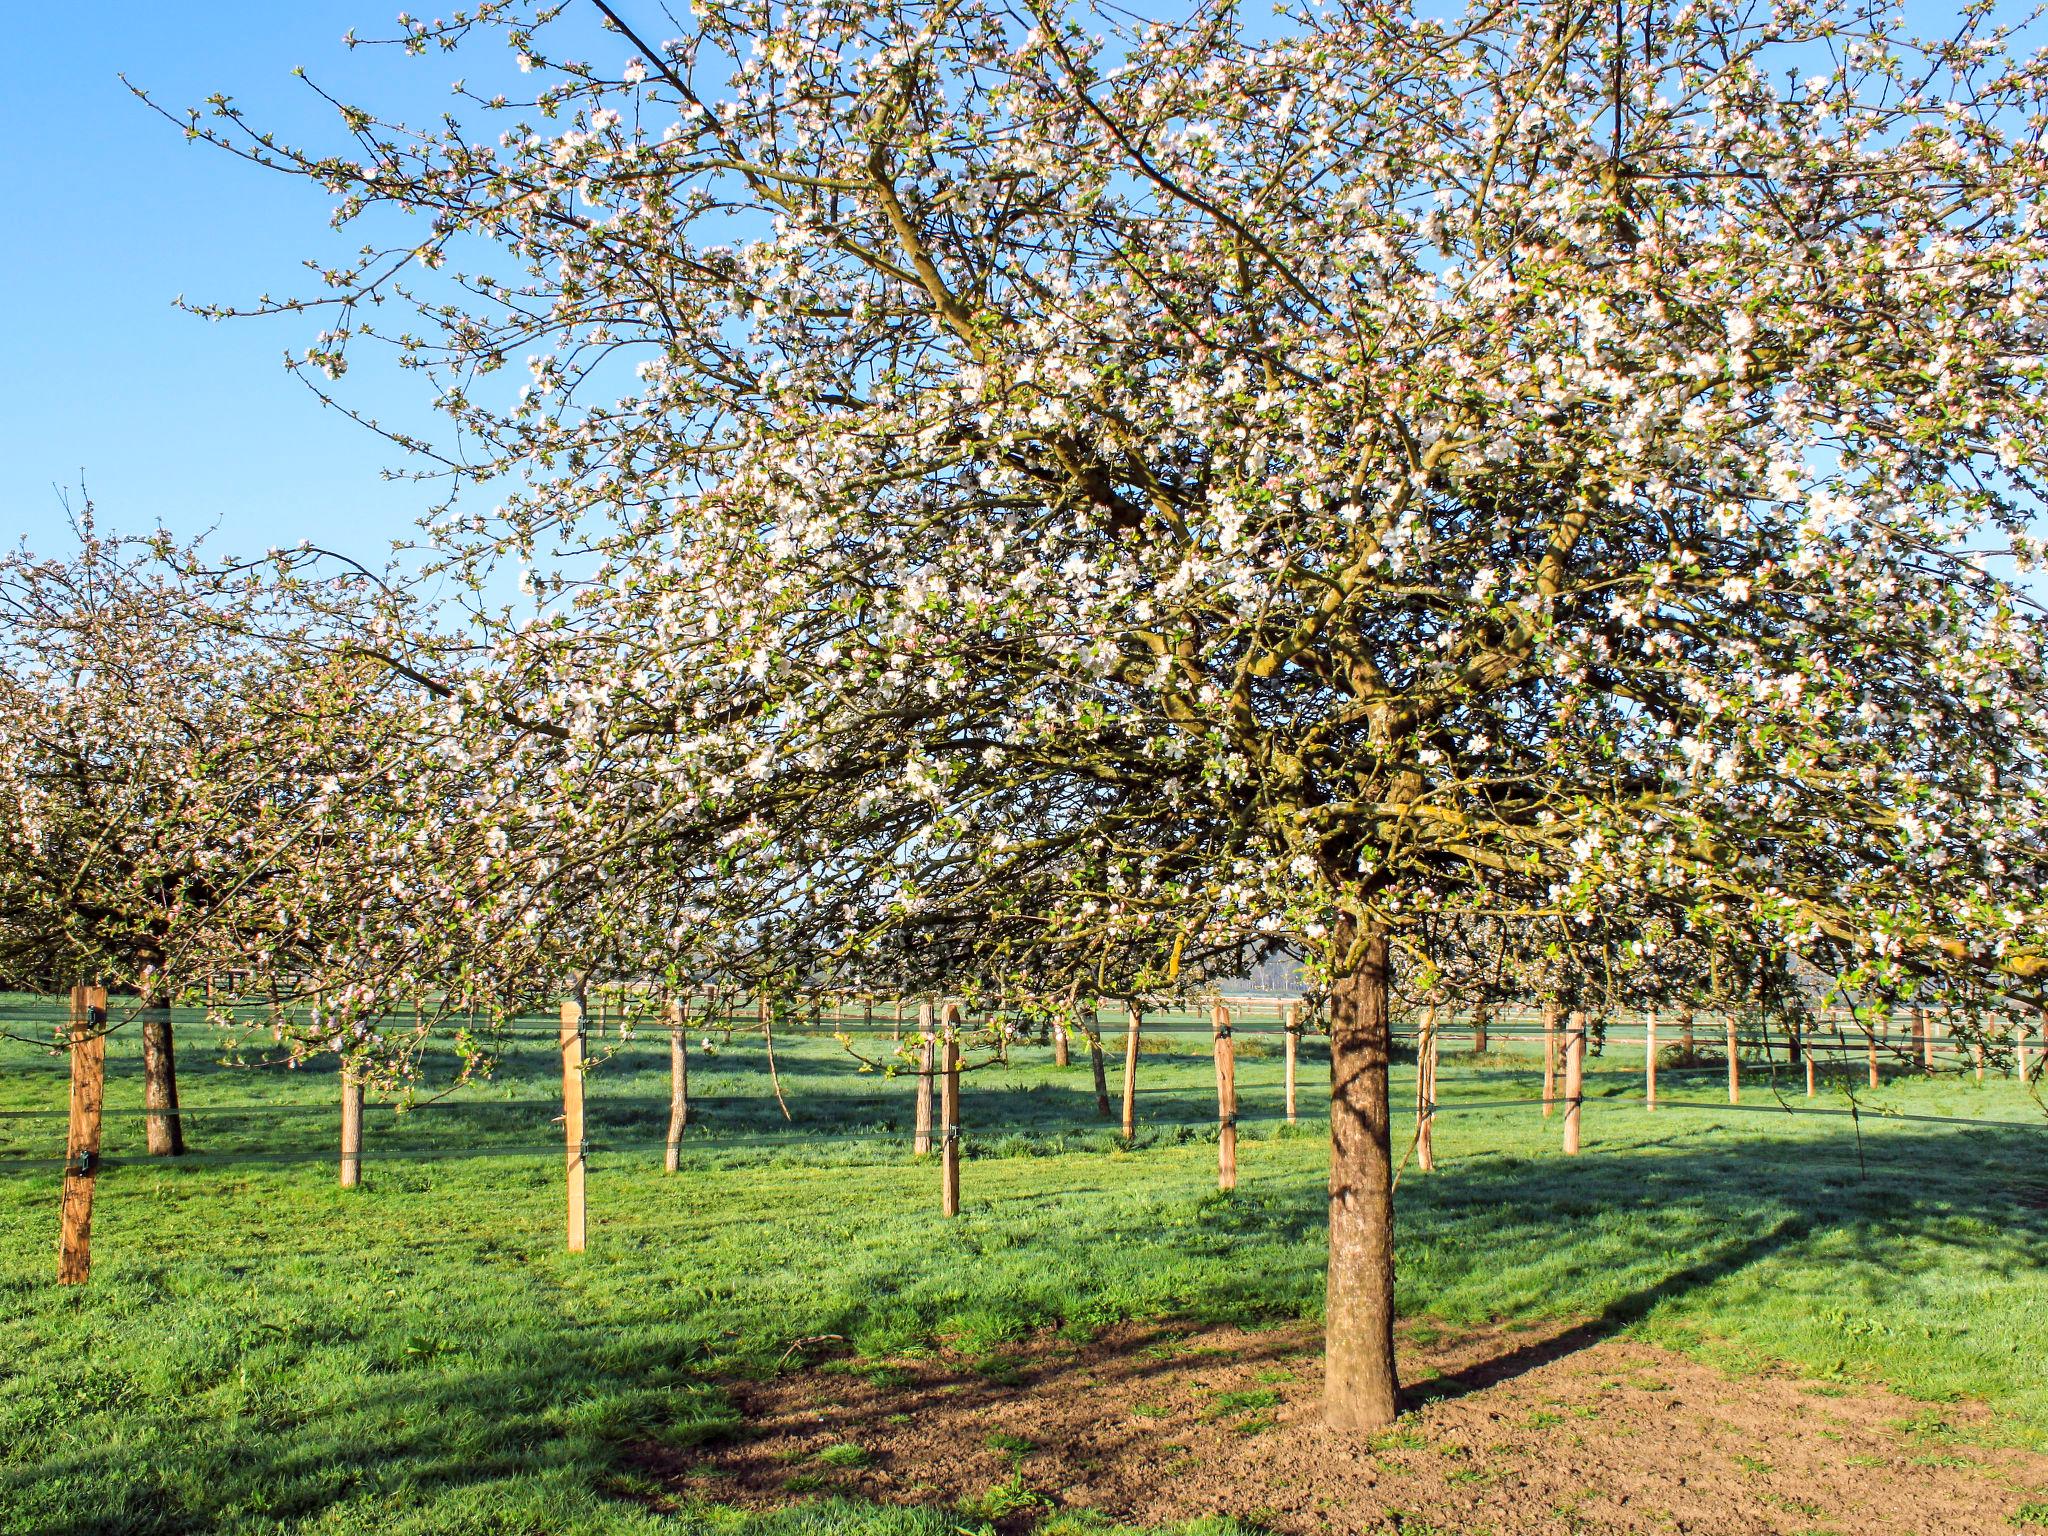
(1551, 1430)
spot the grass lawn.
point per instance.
(261, 1351)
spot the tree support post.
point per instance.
(572, 1118)
(351, 1127)
(1650, 1060)
(1574, 1080)
(1226, 1097)
(1734, 1065)
(1291, 1023)
(949, 1199)
(82, 1138)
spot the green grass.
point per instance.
(262, 1352)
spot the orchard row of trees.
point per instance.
(1019, 493)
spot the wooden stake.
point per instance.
(2020, 1029)
(1923, 1042)
(82, 1141)
(1425, 1092)
(1809, 1057)
(572, 1117)
(678, 1086)
(351, 1128)
(1134, 1020)
(1292, 1023)
(1734, 1065)
(949, 1197)
(1549, 1056)
(1574, 1080)
(1650, 1059)
(1226, 1098)
(1870, 1034)
(921, 1135)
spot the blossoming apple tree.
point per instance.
(1000, 480)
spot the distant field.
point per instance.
(260, 1351)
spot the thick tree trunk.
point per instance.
(165, 1131)
(1360, 1389)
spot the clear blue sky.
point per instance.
(112, 215)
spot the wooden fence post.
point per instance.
(1425, 1092)
(1808, 1042)
(678, 1086)
(572, 1117)
(1923, 1042)
(1574, 1079)
(1870, 1036)
(1549, 1056)
(82, 1141)
(1133, 1020)
(921, 1134)
(351, 1127)
(949, 1197)
(1292, 1024)
(1650, 1060)
(1226, 1097)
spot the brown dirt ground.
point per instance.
(1547, 1430)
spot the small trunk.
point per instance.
(1361, 1391)
(921, 1135)
(1685, 1034)
(1101, 1068)
(165, 1127)
(678, 1087)
(1425, 1092)
(1133, 1022)
(1574, 1080)
(1060, 1053)
(1549, 1056)
(1482, 1016)
(1292, 1025)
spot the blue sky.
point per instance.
(113, 215)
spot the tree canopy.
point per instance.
(1034, 488)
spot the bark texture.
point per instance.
(1360, 1389)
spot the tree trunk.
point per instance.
(1685, 1033)
(1361, 1391)
(921, 1134)
(1060, 1055)
(165, 1131)
(1095, 1060)
(1549, 1056)
(1482, 1016)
